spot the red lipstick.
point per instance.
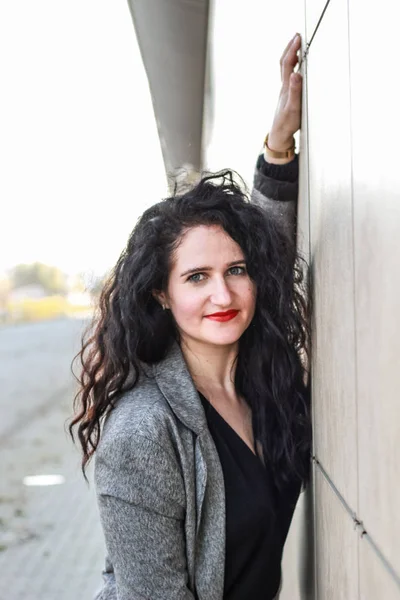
(223, 316)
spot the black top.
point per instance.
(256, 528)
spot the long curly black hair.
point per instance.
(131, 328)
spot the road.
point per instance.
(51, 544)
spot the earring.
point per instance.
(163, 306)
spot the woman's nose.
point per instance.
(221, 294)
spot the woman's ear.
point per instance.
(160, 297)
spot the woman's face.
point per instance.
(210, 294)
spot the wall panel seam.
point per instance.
(309, 283)
(357, 458)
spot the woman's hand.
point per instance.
(287, 118)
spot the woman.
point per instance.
(194, 373)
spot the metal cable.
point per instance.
(358, 525)
(304, 55)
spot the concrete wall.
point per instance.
(354, 227)
(345, 540)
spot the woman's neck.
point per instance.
(211, 367)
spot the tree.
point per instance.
(4, 294)
(50, 278)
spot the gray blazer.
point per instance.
(158, 477)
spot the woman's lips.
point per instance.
(223, 316)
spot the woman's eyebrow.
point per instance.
(200, 269)
(195, 270)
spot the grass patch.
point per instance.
(42, 309)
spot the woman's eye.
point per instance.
(196, 277)
(237, 270)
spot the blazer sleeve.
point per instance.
(275, 189)
(141, 501)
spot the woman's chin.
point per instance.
(223, 337)
(224, 334)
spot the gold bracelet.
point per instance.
(289, 153)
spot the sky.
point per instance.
(79, 152)
(247, 42)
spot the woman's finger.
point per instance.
(293, 104)
(290, 59)
(286, 50)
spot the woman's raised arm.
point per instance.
(275, 186)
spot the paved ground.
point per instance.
(51, 545)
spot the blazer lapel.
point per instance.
(174, 380)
